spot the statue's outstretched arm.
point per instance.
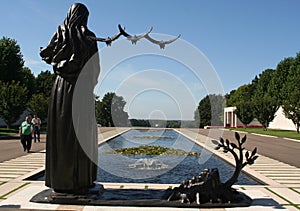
(109, 40)
(133, 38)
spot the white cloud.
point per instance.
(29, 62)
(36, 66)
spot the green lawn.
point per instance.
(5, 131)
(271, 132)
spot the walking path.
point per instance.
(277, 148)
(281, 189)
(12, 147)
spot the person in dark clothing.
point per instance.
(36, 122)
(26, 132)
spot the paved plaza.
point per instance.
(281, 189)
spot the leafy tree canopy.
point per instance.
(243, 93)
(13, 101)
(244, 111)
(38, 104)
(269, 90)
(265, 109)
(28, 80)
(262, 85)
(110, 111)
(279, 78)
(44, 82)
(291, 93)
(11, 60)
(209, 111)
(241, 98)
(265, 105)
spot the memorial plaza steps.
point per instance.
(281, 188)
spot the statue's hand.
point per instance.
(108, 41)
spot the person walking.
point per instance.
(26, 132)
(36, 122)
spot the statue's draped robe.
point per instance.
(71, 148)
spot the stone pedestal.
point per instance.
(98, 196)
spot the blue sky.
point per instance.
(240, 39)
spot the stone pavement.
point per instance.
(281, 189)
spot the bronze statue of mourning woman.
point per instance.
(71, 149)
(70, 167)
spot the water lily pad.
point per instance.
(151, 150)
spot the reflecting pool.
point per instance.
(159, 169)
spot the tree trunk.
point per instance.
(234, 177)
(238, 168)
(265, 126)
(8, 125)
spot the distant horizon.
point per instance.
(185, 120)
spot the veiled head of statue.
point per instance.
(77, 15)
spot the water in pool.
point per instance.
(159, 169)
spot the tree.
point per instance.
(203, 113)
(228, 97)
(13, 74)
(265, 105)
(209, 111)
(44, 83)
(38, 104)
(263, 83)
(119, 116)
(279, 78)
(265, 109)
(244, 111)
(110, 111)
(241, 98)
(173, 124)
(28, 80)
(291, 93)
(243, 93)
(13, 101)
(218, 104)
(291, 108)
(139, 123)
(11, 60)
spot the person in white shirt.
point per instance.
(36, 122)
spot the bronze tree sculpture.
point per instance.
(239, 158)
(207, 189)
